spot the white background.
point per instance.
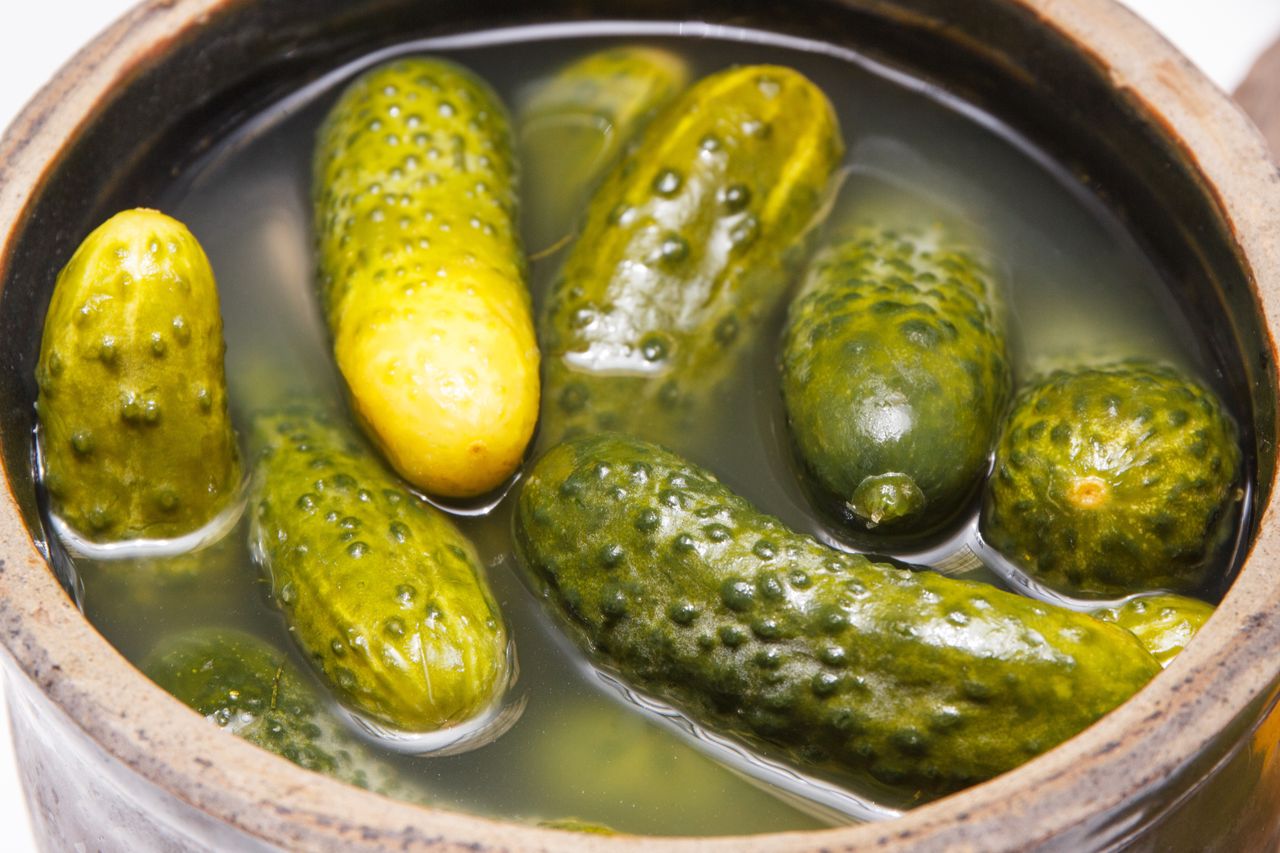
(38, 37)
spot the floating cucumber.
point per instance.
(1164, 623)
(895, 375)
(381, 591)
(251, 689)
(134, 430)
(1114, 479)
(686, 246)
(574, 124)
(693, 595)
(423, 276)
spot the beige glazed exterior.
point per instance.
(1191, 762)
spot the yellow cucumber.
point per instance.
(423, 276)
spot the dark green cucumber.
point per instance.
(686, 246)
(574, 124)
(252, 690)
(693, 595)
(1114, 479)
(894, 376)
(134, 429)
(1164, 623)
(381, 591)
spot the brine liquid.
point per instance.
(582, 748)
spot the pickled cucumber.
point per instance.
(422, 273)
(381, 591)
(923, 682)
(1164, 623)
(1114, 479)
(894, 377)
(575, 124)
(134, 431)
(251, 689)
(685, 248)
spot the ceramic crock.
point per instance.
(110, 762)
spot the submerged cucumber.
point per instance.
(381, 591)
(132, 404)
(1114, 479)
(251, 689)
(423, 276)
(574, 124)
(895, 375)
(1164, 623)
(685, 248)
(692, 594)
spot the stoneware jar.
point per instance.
(111, 762)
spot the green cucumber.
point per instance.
(381, 591)
(134, 431)
(1164, 623)
(250, 689)
(574, 124)
(1114, 479)
(691, 594)
(894, 378)
(422, 273)
(685, 248)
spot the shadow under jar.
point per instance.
(1191, 762)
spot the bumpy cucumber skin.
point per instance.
(922, 681)
(574, 125)
(1113, 480)
(422, 273)
(252, 690)
(686, 246)
(1163, 623)
(134, 430)
(381, 591)
(894, 376)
